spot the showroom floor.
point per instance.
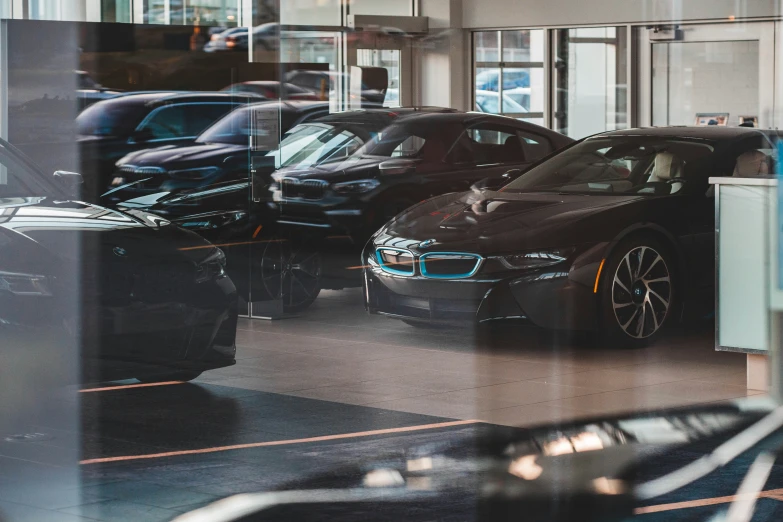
(329, 388)
(514, 376)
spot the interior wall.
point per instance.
(515, 13)
(441, 57)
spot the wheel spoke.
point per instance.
(633, 315)
(641, 262)
(656, 294)
(628, 266)
(306, 291)
(617, 280)
(655, 262)
(652, 310)
(641, 321)
(666, 279)
(621, 305)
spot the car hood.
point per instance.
(335, 171)
(484, 220)
(37, 231)
(172, 157)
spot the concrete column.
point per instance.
(442, 58)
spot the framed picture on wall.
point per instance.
(703, 119)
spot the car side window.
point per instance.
(199, 116)
(534, 145)
(495, 144)
(166, 123)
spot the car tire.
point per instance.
(292, 272)
(638, 292)
(183, 376)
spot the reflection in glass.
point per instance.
(591, 80)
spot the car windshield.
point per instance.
(110, 119)
(21, 179)
(642, 165)
(311, 144)
(235, 128)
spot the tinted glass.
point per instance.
(622, 165)
(110, 119)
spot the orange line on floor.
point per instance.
(126, 386)
(772, 493)
(323, 438)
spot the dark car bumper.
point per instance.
(545, 298)
(341, 217)
(193, 332)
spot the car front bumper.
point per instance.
(548, 298)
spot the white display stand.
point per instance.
(747, 299)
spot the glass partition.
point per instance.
(590, 80)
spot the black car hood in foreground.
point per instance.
(604, 470)
(46, 233)
(491, 221)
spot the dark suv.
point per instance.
(110, 129)
(419, 156)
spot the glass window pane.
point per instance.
(523, 46)
(487, 98)
(486, 46)
(685, 75)
(590, 80)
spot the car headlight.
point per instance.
(211, 220)
(25, 284)
(194, 174)
(211, 267)
(356, 187)
(534, 259)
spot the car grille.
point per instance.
(449, 265)
(148, 283)
(396, 261)
(312, 189)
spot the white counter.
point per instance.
(745, 228)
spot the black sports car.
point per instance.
(221, 153)
(152, 301)
(110, 129)
(614, 234)
(419, 156)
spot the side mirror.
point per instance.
(71, 182)
(496, 183)
(398, 166)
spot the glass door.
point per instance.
(721, 74)
(369, 55)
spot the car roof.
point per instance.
(709, 132)
(385, 114)
(470, 118)
(155, 98)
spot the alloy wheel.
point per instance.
(641, 292)
(291, 273)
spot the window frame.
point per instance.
(500, 65)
